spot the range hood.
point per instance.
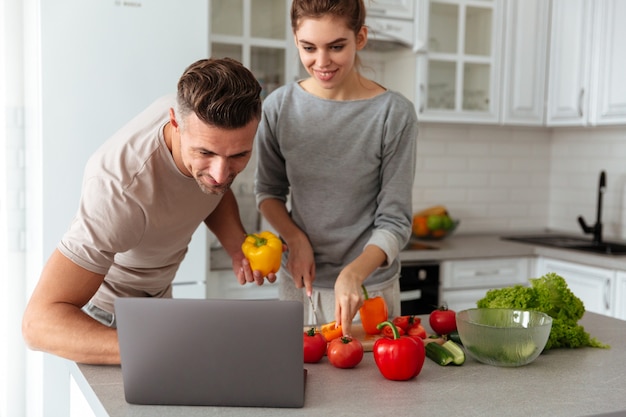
(389, 34)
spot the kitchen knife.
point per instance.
(315, 321)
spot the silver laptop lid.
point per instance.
(211, 352)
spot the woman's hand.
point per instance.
(348, 298)
(348, 291)
(301, 264)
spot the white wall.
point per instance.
(493, 179)
(578, 156)
(498, 179)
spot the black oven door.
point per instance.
(419, 288)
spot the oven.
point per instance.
(419, 288)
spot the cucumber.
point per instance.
(445, 354)
(454, 336)
(438, 354)
(458, 355)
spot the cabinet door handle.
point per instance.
(607, 294)
(410, 295)
(484, 273)
(422, 98)
(580, 102)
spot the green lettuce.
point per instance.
(551, 295)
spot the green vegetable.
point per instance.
(454, 336)
(551, 295)
(438, 354)
(458, 356)
(445, 354)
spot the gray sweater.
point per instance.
(346, 168)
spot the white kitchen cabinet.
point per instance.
(620, 295)
(593, 285)
(258, 34)
(459, 69)
(525, 62)
(609, 106)
(570, 62)
(464, 282)
(586, 82)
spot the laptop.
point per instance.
(212, 352)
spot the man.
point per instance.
(145, 191)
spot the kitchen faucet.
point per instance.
(596, 229)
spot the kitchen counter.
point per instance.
(561, 382)
(489, 246)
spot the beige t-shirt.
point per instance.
(137, 212)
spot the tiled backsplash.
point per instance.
(498, 179)
(578, 156)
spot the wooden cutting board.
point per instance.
(367, 340)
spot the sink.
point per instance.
(571, 242)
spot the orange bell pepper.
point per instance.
(373, 312)
(331, 331)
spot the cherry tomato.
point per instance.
(314, 346)
(417, 331)
(345, 352)
(442, 320)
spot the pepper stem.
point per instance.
(367, 297)
(258, 240)
(396, 333)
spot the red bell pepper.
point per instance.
(400, 358)
(373, 311)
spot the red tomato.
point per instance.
(442, 320)
(404, 322)
(345, 352)
(417, 331)
(314, 346)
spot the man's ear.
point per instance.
(173, 120)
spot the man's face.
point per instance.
(214, 156)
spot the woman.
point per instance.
(339, 149)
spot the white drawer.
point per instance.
(485, 273)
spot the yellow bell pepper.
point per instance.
(264, 251)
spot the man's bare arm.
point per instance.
(53, 321)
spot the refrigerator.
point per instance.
(102, 62)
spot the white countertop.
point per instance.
(561, 382)
(457, 247)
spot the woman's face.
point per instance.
(327, 49)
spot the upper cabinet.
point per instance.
(587, 65)
(459, 66)
(525, 62)
(256, 33)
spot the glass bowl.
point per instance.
(503, 337)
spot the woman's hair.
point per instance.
(221, 92)
(352, 11)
